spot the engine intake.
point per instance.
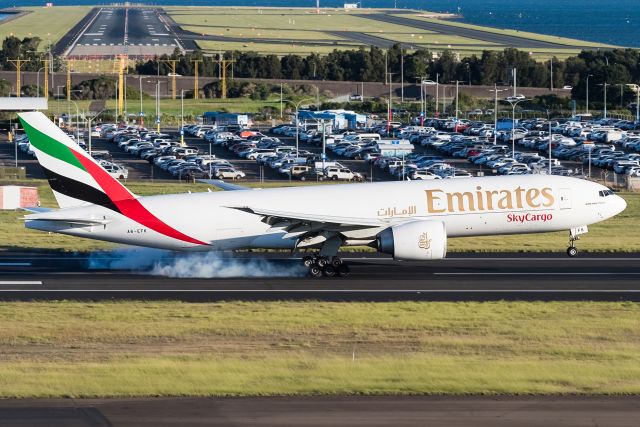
(414, 241)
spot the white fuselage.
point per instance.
(467, 207)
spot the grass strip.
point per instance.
(73, 349)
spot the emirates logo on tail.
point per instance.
(424, 242)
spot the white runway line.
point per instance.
(327, 291)
(518, 273)
(20, 282)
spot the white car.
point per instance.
(224, 173)
(335, 174)
(116, 171)
(423, 174)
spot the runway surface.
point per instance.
(324, 411)
(133, 31)
(475, 34)
(192, 277)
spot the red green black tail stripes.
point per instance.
(72, 173)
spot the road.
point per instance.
(160, 275)
(382, 411)
(132, 31)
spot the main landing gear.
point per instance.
(320, 266)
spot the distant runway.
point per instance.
(378, 411)
(133, 31)
(470, 33)
(544, 277)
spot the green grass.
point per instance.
(50, 24)
(274, 48)
(619, 234)
(74, 349)
(300, 25)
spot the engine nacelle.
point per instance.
(414, 241)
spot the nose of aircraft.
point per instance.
(619, 204)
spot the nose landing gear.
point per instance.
(572, 250)
(574, 235)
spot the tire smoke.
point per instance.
(204, 265)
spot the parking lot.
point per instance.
(437, 149)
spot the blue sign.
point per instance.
(141, 114)
(158, 120)
(395, 141)
(181, 132)
(421, 113)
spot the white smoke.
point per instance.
(205, 265)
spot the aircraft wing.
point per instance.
(226, 186)
(293, 222)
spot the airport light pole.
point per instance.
(495, 112)
(457, 87)
(514, 101)
(89, 120)
(141, 112)
(58, 99)
(297, 105)
(182, 117)
(437, 93)
(77, 116)
(38, 81)
(587, 99)
(604, 85)
(636, 88)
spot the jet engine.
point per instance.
(414, 241)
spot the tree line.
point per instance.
(615, 67)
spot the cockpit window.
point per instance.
(605, 193)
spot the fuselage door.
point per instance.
(565, 198)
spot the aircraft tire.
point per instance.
(328, 271)
(315, 271)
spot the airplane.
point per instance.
(410, 220)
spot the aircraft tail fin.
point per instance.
(75, 177)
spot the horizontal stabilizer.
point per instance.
(226, 186)
(38, 209)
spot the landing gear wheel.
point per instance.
(343, 270)
(307, 261)
(315, 271)
(336, 261)
(329, 271)
(572, 251)
(322, 261)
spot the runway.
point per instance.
(471, 33)
(544, 277)
(132, 31)
(354, 411)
